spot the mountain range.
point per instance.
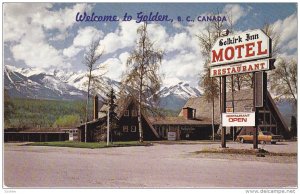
(61, 85)
(58, 84)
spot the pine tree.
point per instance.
(111, 97)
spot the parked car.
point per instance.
(246, 135)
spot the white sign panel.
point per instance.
(242, 119)
(261, 65)
(171, 136)
(246, 46)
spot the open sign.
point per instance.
(238, 119)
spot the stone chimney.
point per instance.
(96, 107)
(188, 113)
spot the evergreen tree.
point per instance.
(110, 102)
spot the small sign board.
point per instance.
(171, 136)
(260, 87)
(229, 109)
(247, 67)
(71, 136)
(245, 46)
(241, 119)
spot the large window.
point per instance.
(133, 128)
(125, 128)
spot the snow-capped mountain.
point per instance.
(58, 84)
(174, 97)
(36, 84)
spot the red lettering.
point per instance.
(215, 72)
(223, 71)
(262, 65)
(233, 70)
(227, 57)
(249, 48)
(239, 120)
(217, 57)
(260, 52)
(239, 49)
(244, 68)
(250, 68)
(256, 66)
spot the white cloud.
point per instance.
(158, 35)
(183, 67)
(123, 37)
(235, 11)
(86, 35)
(288, 29)
(38, 54)
(116, 66)
(26, 25)
(177, 25)
(17, 19)
(84, 38)
(71, 51)
(61, 19)
(183, 46)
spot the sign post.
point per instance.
(246, 52)
(223, 109)
(255, 135)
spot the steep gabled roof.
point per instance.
(242, 99)
(277, 110)
(122, 106)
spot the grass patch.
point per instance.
(90, 145)
(242, 152)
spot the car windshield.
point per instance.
(267, 133)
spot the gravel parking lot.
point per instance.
(157, 166)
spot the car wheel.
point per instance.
(242, 140)
(262, 142)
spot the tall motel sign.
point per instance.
(247, 52)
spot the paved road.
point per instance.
(159, 166)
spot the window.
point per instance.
(126, 113)
(125, 128)
(133, 128)
(134, 113)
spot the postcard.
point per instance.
(150, 96)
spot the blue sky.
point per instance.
(46, 35)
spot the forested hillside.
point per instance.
(23, 113)
(43, 113)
